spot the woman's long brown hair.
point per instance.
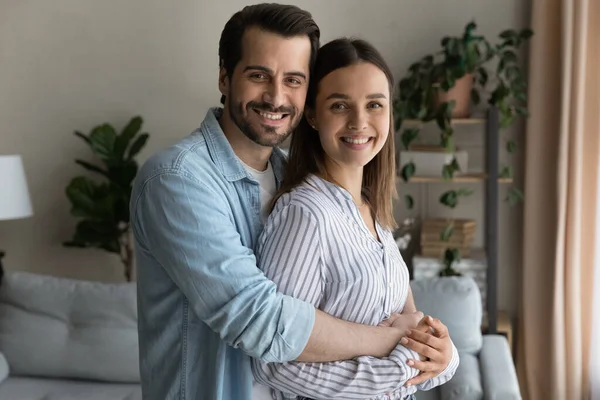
(306, 155)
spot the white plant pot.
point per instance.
(431, 163)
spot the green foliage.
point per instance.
(408, 171)
(409, 201)
(447, 232)
(506, 172)
(450, 257)
(514, 196)
(103, 205)
(450, 198)
(472, 54)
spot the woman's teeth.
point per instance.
(356, 141)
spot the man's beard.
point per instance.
(271, 138)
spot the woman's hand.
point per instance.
(404, 322)
(434, 344)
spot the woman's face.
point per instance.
(352, 114)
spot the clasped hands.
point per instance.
(427, 336)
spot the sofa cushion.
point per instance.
(456, 301)
(58, 327)
(58, 389)
(466, 382)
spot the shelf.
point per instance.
(454, 121)
(468, 178)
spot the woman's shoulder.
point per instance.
(307, 196)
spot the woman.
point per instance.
(328, 239)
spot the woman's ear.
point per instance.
(309, 114)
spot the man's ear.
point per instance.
(223, 81)
(309, 114)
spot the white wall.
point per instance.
(68, 65)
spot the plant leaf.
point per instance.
(514, 196)
(126, 136)
(91, 167)
(96, 234)
(137, 146)
(509, 57)
(408, 171)
(475, 98)
(506, 172)
(511, 146)
(526, 34)
(82, 136)
(509, 33)
(447, 172)
(409, 201)
(408, 136)
(102, 141)
(447, 232)
(483, 76)
(462, 192)
(449, 198)
(123, 174)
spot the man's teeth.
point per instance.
(274, 117)
(355, 141)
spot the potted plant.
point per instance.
(104, 205)
(441, 86)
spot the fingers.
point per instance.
(423, 326)
(426, 338)
(420, 378)
(424, 366)
(385, 322)
(420, 348)
(440, 329)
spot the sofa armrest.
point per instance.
(498, 373)
(4, 368)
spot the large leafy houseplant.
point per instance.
(103, 205)
(492, 73)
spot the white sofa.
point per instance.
(65, 339)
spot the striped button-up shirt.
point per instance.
(315, 246)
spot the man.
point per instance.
(204, 306)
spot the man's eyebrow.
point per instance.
(258, 68)
(346, 97)
(296, 73)
(270, 71)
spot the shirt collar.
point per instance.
(223, 155)
(338, 192)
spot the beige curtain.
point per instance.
(561, 167)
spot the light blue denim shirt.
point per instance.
(203, 305)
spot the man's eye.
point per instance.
(258, 76)
(294, 81)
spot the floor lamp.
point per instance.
(14, 194)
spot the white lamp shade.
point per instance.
(14, 194)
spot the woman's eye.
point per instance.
(338, 106)
(375, 105)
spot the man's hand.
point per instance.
(436, 346)
(404, 322)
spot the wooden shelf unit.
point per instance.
(492, 180)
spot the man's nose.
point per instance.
(274, 95)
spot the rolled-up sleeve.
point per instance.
(189, 228)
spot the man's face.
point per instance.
(265, 94)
